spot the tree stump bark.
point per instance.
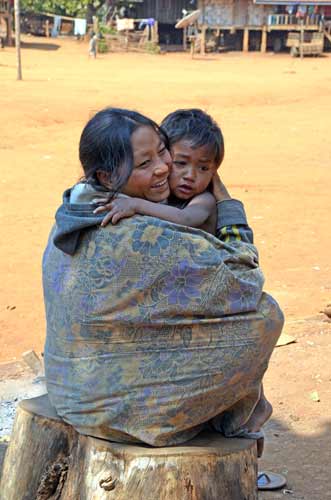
(48, 460)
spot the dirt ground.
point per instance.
(275, 113)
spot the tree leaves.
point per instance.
(64, 7)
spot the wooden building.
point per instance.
(166, 13)
(260, 24)
(6, 22)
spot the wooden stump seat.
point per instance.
(48, 460)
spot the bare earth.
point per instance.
(275, 112)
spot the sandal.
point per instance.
(270, 481)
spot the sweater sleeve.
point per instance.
(232, 222)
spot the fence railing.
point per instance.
(4, 5)
(288, 19)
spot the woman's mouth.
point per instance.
(161, 184)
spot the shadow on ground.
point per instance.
(303, 459)
(39, 46)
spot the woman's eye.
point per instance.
(180, 163)
(162, 150)
(144, 164)
(203, 168)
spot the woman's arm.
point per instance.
(193, 215)
(232, 223)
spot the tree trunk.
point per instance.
(48, 459)
(90, 13)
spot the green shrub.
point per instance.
(102, 46)
(107, 30)
(152, 48)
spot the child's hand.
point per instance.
(218, 189)
(118, 208)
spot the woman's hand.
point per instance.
(118, 208)
(219, 190)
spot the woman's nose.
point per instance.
(162, 168)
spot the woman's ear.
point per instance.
(103, 179)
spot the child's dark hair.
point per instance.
(196, 126)
(105, 144)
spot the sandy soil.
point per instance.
(276, 116)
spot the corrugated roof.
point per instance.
(287, 2)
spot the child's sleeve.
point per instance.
(232, 222)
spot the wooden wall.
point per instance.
(233, 12)
(4, 6)
(164, 11)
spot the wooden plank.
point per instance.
(203, 41)
(185, 39)
(246, 40)
(33, 361)
(327, 35)
(264, 39)
(291, 27)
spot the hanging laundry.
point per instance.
(56, 26)
(80, 27)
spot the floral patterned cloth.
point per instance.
(155, 329)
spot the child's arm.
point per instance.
(231, 217)
(193, 215)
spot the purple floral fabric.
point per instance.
(154, 329)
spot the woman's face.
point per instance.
(152, 162)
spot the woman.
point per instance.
(153, 329)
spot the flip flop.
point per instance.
(267, 480)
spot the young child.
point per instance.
(92, 49)
(197, 149)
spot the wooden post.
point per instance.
(192, 47)
(95, 25)
(9, 21)
(185, 38)
(203, 41)
(47, 28)
(264, 39)
(126, 39)
(48, 459)
(156, 32)
(18, 39)
(246, 40)
(301, 38)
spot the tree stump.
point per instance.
(48, 459)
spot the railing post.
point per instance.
(301, 38)
(18, 39)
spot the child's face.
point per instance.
(192, 169)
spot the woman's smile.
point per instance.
(161, 185)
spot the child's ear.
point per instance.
(103, 178)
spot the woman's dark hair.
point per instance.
(197, 127)
(105, 144)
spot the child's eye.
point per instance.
(204, 168)
(180, 163)
(162, 150)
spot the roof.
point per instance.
(289, 2)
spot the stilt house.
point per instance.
(166, 13)
(6, 21)
(258, 24)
